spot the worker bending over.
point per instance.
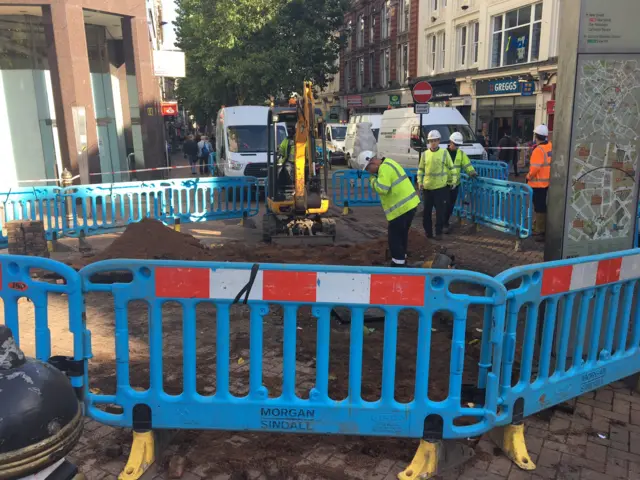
(435, 177)
(538, 179)
(399, 201)
(461, 164)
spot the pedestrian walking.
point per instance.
(435, 177)
(538, 179)
(399, 201)
(190, 149)
(461, 164)
(204, 149)
(507, 151)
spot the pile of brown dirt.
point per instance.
(151, 239)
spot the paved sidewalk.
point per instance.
(599, 441)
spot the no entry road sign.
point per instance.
(422, 92)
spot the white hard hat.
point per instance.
(541, 130)
(364, 158)
(434, 135)
(456, 137)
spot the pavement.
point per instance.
(597, 439)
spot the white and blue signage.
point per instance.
(505, 86)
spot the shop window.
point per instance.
(372, 59)
(516, 36)
(403, 18)
(431, 53)
(386, 19)
(475, 44)
(385, 68)
(462, 46)
(403, 63)
(360, 74)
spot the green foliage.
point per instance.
(243, 51)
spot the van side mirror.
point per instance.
(417, 139)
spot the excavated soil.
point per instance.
(152, 240)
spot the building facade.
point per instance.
(77, 90)
(380, 59)
(495, 60)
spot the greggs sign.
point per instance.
(169, 109)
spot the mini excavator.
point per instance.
(296, 199)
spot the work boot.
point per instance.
(397, 265)
(540, 224)
(438, 237)
(446, 230)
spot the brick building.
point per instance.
(381, 56)
(77, 90)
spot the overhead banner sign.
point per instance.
(169, 63)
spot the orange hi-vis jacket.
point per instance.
(540, 169)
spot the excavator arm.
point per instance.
(305, 147)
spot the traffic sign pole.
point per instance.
(421, 93)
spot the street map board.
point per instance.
(602, 196)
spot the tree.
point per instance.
(243, 51)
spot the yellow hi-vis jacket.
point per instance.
(435, 170)
(284, 147)
(397, 193)
(461, 163)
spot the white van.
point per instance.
(400, 133)
(241, 141)
(335, 134)
(373, 118)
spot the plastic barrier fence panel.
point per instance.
(500, 205)
(572, 326)
(99, 208)
(37, 203)
(284, 291)
(351, 187)
(491, 169)
(29, 293)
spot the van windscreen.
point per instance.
(247, 139)
(447, 130)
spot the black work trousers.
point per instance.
(453, 198)
(398, 232)
(540, 199)
(438, 199)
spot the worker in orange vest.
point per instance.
(538, 179)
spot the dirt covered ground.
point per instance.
(275, 455)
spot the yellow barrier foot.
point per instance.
(511, 440)
(141, 457)
(433, 458)
(177, 225)
(345, 210)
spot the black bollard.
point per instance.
(40, 416)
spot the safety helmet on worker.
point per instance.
(434, 135)
(456, 137)
(364, 158)
(541, 130)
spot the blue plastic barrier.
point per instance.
(491, 169)
(574, 322)
(98, 208)
(500, 205)
(102, 207)
(16, 282)
(351, 187)
(293, 287)
(27, 203)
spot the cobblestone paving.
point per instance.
(599, 440)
